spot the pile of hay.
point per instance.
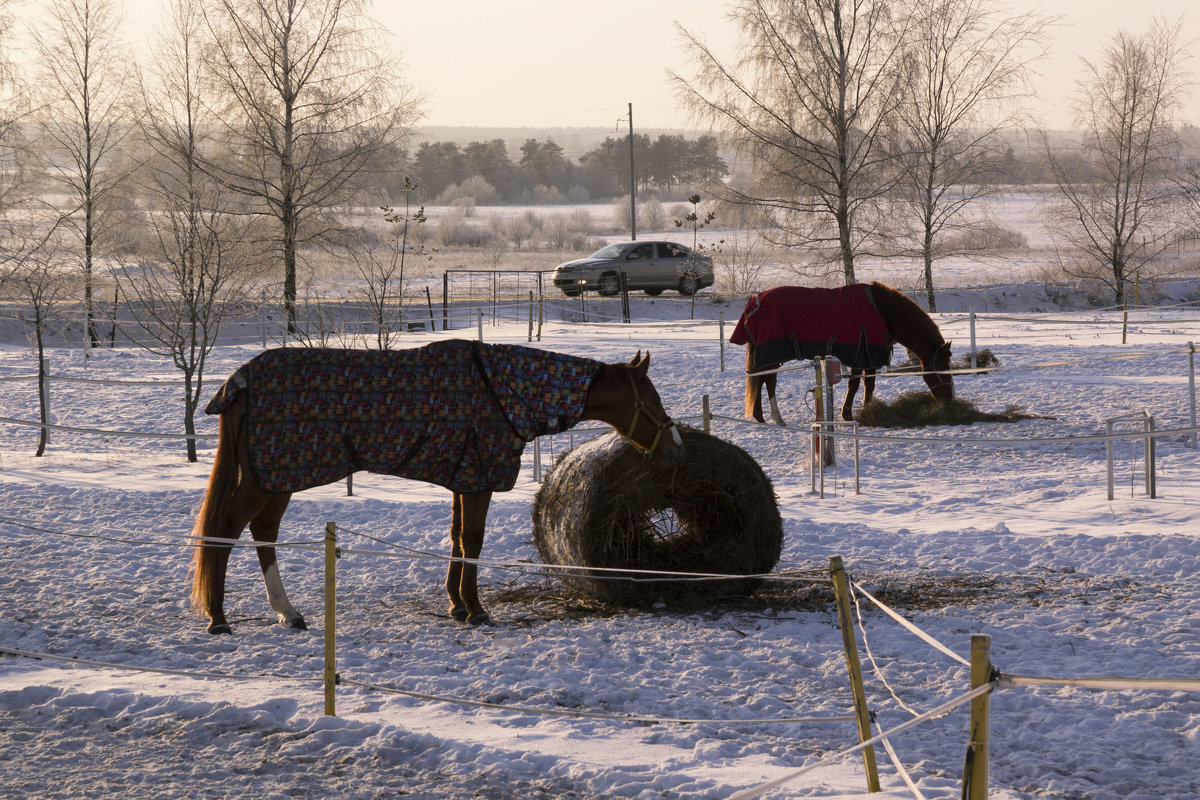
(918, 409)
(604, 505)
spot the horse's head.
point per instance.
(623, 396)
(937, 375)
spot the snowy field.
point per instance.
(1004, 530)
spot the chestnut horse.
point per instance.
(856, 324)
(297, 417)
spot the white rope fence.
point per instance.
(412, 554)
(934, 713)
(426, 696)
(999, 680)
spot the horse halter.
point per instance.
(639, 408)
(942, 379)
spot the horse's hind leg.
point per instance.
(458, 609)
(851, 391)
(771, 381)
(264, 527)
(868, 381)
(230, 520)
(467, 523)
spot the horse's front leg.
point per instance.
(467, 522)
(264, 527)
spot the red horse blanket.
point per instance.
(799, 323)
(454, 413)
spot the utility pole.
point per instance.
(632, 183)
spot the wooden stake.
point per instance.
(841, 590)
(331, 676)
(975, 770)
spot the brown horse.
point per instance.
(454, 413)
(857, 324)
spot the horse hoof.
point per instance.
(460, 614)
(484, 619)
(219, 627)
(297, 624)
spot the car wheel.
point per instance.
(653, 292)
(688, 286)
(609, 285)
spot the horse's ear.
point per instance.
(640, 363)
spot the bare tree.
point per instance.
(84, 74)
(966, 67)
(385, 282)
(742, 261)
(1125, 210)
(15, 106)
(811, 101)
(44, 287)
(195, 263)
(310, 97)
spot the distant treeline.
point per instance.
(485, 172)
(541, 173)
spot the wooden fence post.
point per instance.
(331, 676)
(841, 590)
(721, 337)
(975, 769)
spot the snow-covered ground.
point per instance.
(1003, 530)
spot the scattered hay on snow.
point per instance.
(606, 506)
(918, 409)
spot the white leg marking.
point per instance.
(278, 597)
(776, 417)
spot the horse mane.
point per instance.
(894, 306)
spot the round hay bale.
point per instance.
(604, 505)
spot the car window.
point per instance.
(669, 250)
(642, 251)
(611, 251)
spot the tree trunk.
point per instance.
(288, 218)
(189, 416)
(927, 250)
(845, 234)
(43, 391)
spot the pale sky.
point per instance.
(580, 63)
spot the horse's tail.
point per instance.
(753, 385)
(206, 555)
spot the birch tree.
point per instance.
(810, 100)
(967, 68)
(195, 265)
(1125, 207)
(84, 74)
(309, 97)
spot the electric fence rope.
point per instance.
(436, 698)
(187, 541)
(911, 628)
(796, 575)
(934, 713)
(882, 677)
(130, 434)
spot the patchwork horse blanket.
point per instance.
(453, 413)
(800, 323)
